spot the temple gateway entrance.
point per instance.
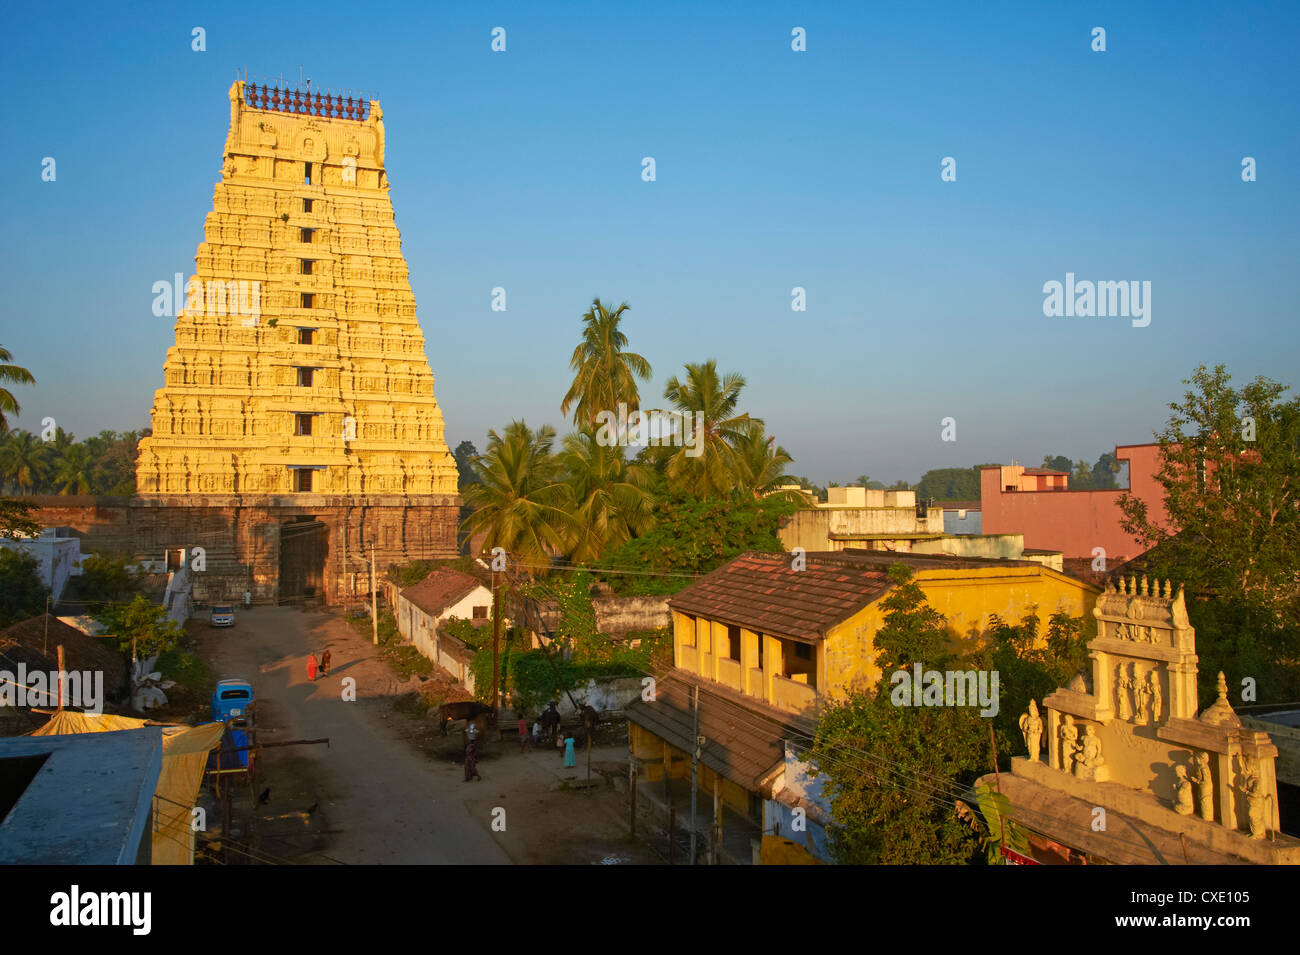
(304, 545)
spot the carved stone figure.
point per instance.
(1204, 785)
(1141, 697)
(1069, 736)
(1182, 792)
(1031, 726)
(1122, 686)
(1153, 692)
(1085, 767)
(1253, 789)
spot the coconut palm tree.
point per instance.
(604, 374)
(760, 466)
(74, 470)
(520, 500)
(23, 461)
(609, 498)
(709, 468)
(10, 374)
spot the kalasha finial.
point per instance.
(1222, 687)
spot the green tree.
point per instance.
(604, 374)
(891, 770)
(141, 627)
(10, 374)
(465, 454)
(1106, 472)
(865, 481)
(106, 577)
(16, 518)
(23, 461)
(519, 501)
(1082, 478)
(691, 536)
(73, 470)
(760, 465)
(950, 484)
(22, 595)
(708, 469)
(608, 498)
(1058, 463)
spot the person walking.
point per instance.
(311, 667)
(471, 763)
(325, 663)
(524, 738)
(570, 758)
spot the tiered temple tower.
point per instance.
(297, 392)
(299, 365)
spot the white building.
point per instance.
(57, 556)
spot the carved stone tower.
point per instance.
(299, 365)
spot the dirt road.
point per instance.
(379, 800)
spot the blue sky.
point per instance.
(775, 169)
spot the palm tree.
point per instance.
(710, 468)
(74, 470)
(520, 500)
(609, 498)
(23, 460)
(604, 374)
(760, 466)
(10, 374)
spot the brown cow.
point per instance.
(463, 710)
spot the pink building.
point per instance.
(1037, 502)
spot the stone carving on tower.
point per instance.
(298, 365)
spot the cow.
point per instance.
(550, 722)
(589, 719)
(463, 710)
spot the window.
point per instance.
(802, 651)
(306, 174)
(733, 643)
(305, 234)
(303, 424)
(308, 300)
(306, 205)
(480, 613)
(306, 336)
(305, 266)
(304, 381)
(302, 479)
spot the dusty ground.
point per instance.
(389, 788)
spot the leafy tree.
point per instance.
(760, 465)
(864, 481)
(604, 374)
(1082, 479)
(106, 577)
(141, 626)
(950, 484)
(22, 595)
(465, 454)
(10, 375)
(693, 536)
(709, 469)
(73, 469)
(24, 460)
(1232, 527)
(608, 499)
(1105, 472)
(1058, 463)
(891, 771)
(520, 498)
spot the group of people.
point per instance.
(563, 742)
(323, 667)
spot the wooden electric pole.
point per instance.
(695, 759)
(496, 647)
(374, 599)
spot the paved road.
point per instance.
(383, 802)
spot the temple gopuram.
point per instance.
(297, 426)
(1123, 766)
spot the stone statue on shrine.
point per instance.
(1204, 781)
(1256, 801)
(1031, 727)
(1122, 687)
(378, 114)
(1069, 736)
(1153, 693)
(1141, 697)
(1089, 758)
(1182, 792)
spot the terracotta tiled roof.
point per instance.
(442, 588)
(762, 592)
(80, 651)
(1044, 471)
(958, 505)
(744, 738)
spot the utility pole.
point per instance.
(496, 646)
(46, 645)
(374, 598)
(346, 573)
(695, 759)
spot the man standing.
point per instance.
(471, 763)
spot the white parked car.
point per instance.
(223, 615)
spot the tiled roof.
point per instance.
(81, 651)
(762, 591)
(440, 590)
(1044, 471)
(958, 505)
(743, 738)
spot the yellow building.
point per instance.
(299, 366)
(764, 641)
